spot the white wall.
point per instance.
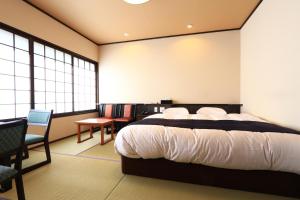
(203, 68)
(270, 62)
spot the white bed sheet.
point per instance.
(217, 148)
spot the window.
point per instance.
(61, 80)
(84, 85)
(14, 75)
(52, 79)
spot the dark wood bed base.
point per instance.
(271, 182)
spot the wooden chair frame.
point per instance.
(6, 159)
(46, 145)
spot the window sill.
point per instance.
(57, 115)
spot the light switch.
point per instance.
(161, 109)
(155, 109)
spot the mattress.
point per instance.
(229, 149)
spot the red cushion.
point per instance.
(127, 111)
(108, 111)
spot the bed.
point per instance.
(237, 151)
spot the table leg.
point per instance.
(78, 134)
(102, 135)
(112, 130)
(91, 131)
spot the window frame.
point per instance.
(32, 39)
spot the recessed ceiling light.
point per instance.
(189, 26)
(126, 34)
(136, 1)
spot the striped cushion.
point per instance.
(6, 173)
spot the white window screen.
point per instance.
(52, 79)
(14, 75)
(84, 85)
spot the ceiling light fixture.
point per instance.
(189, 26)
(136, 1)
(126, 34)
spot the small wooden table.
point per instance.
(92, 122)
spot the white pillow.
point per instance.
(176, 111)
(211, 111)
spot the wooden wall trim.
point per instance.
(170, 36)
(251, 14)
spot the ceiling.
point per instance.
(106, 21)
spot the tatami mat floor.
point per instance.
(103, 151)
(140, 188)
(70, 145)
(93, 172)
(70, 177)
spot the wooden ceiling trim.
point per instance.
(142, 39)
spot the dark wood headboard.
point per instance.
(140, 111)
(192, 108)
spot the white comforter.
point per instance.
(225, 149)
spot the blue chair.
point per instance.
(38, 118)
(12, 137)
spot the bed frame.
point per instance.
(271, 182)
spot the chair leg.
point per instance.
(20, 187)
(26, 154)
(47, 149)
(40, 164)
